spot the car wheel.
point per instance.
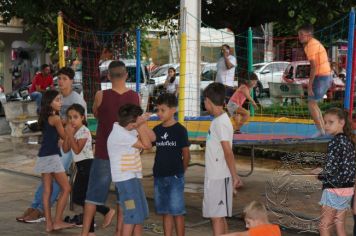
(259, 90)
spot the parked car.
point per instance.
(146, 83)
(298, 72)
(268, 72)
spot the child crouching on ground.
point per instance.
(256, 220)
(128, 136)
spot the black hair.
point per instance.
(67, 71)
(80, 109)
(168, 99)
(343, 115)
(46, 108)
(216, 93)
(44, 66)
(225, 45)
(128, 113)
(307, 28)
(248, 76)
(174, 77)
(115, 64)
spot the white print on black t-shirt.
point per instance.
(166, 143)
(165, 136)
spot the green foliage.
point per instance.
(295, 111)
(238, 15)
(39, 16)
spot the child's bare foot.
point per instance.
(91, 234)
(108, 218)
(62, 225)
(49, 226)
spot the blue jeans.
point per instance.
(321, 84)
(37, 97)
(99, 182)
(37, 202)
(169, 195)
(132, 200)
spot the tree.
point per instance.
(122, 15)
(238, 15)
(39, 17)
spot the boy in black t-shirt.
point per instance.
(169, 167)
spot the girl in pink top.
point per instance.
(234, 106)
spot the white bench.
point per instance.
(17, 113)
(282, 91)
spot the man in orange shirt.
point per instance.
(320, 73)
(40, 83)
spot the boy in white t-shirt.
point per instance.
(220, 172)
(128, 137)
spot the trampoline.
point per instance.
(259, 131)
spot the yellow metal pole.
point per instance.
(60, 40)
(181, 94)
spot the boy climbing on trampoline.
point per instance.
(234, 106)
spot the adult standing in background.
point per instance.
(226, 70)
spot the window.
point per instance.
(131, 70)
(302, 71)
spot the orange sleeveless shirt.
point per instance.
(265, 230)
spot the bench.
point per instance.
(17, 113)
(283, 91)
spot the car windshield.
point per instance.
(257, 68)
(303, 71)
(131, 70)
(160, 72)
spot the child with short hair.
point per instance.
(234, 106)
(171, 145)
(220, 172)
(338, 173)
(128, 136)
(79, 142)
(49, 164)
(257, 222)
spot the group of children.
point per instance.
(130, 135)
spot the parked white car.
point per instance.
(268, 72)
(207, 76)
(146, 84)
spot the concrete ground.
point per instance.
(288, 190)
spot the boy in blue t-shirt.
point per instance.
(169, 167)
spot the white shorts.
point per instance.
(217, 200)
(232, 107)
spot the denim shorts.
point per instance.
(231, 108)
(332, 200)
(132, 200)
(169, 195)
(99, 182)
(321, 84)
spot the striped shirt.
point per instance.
(125, 160)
